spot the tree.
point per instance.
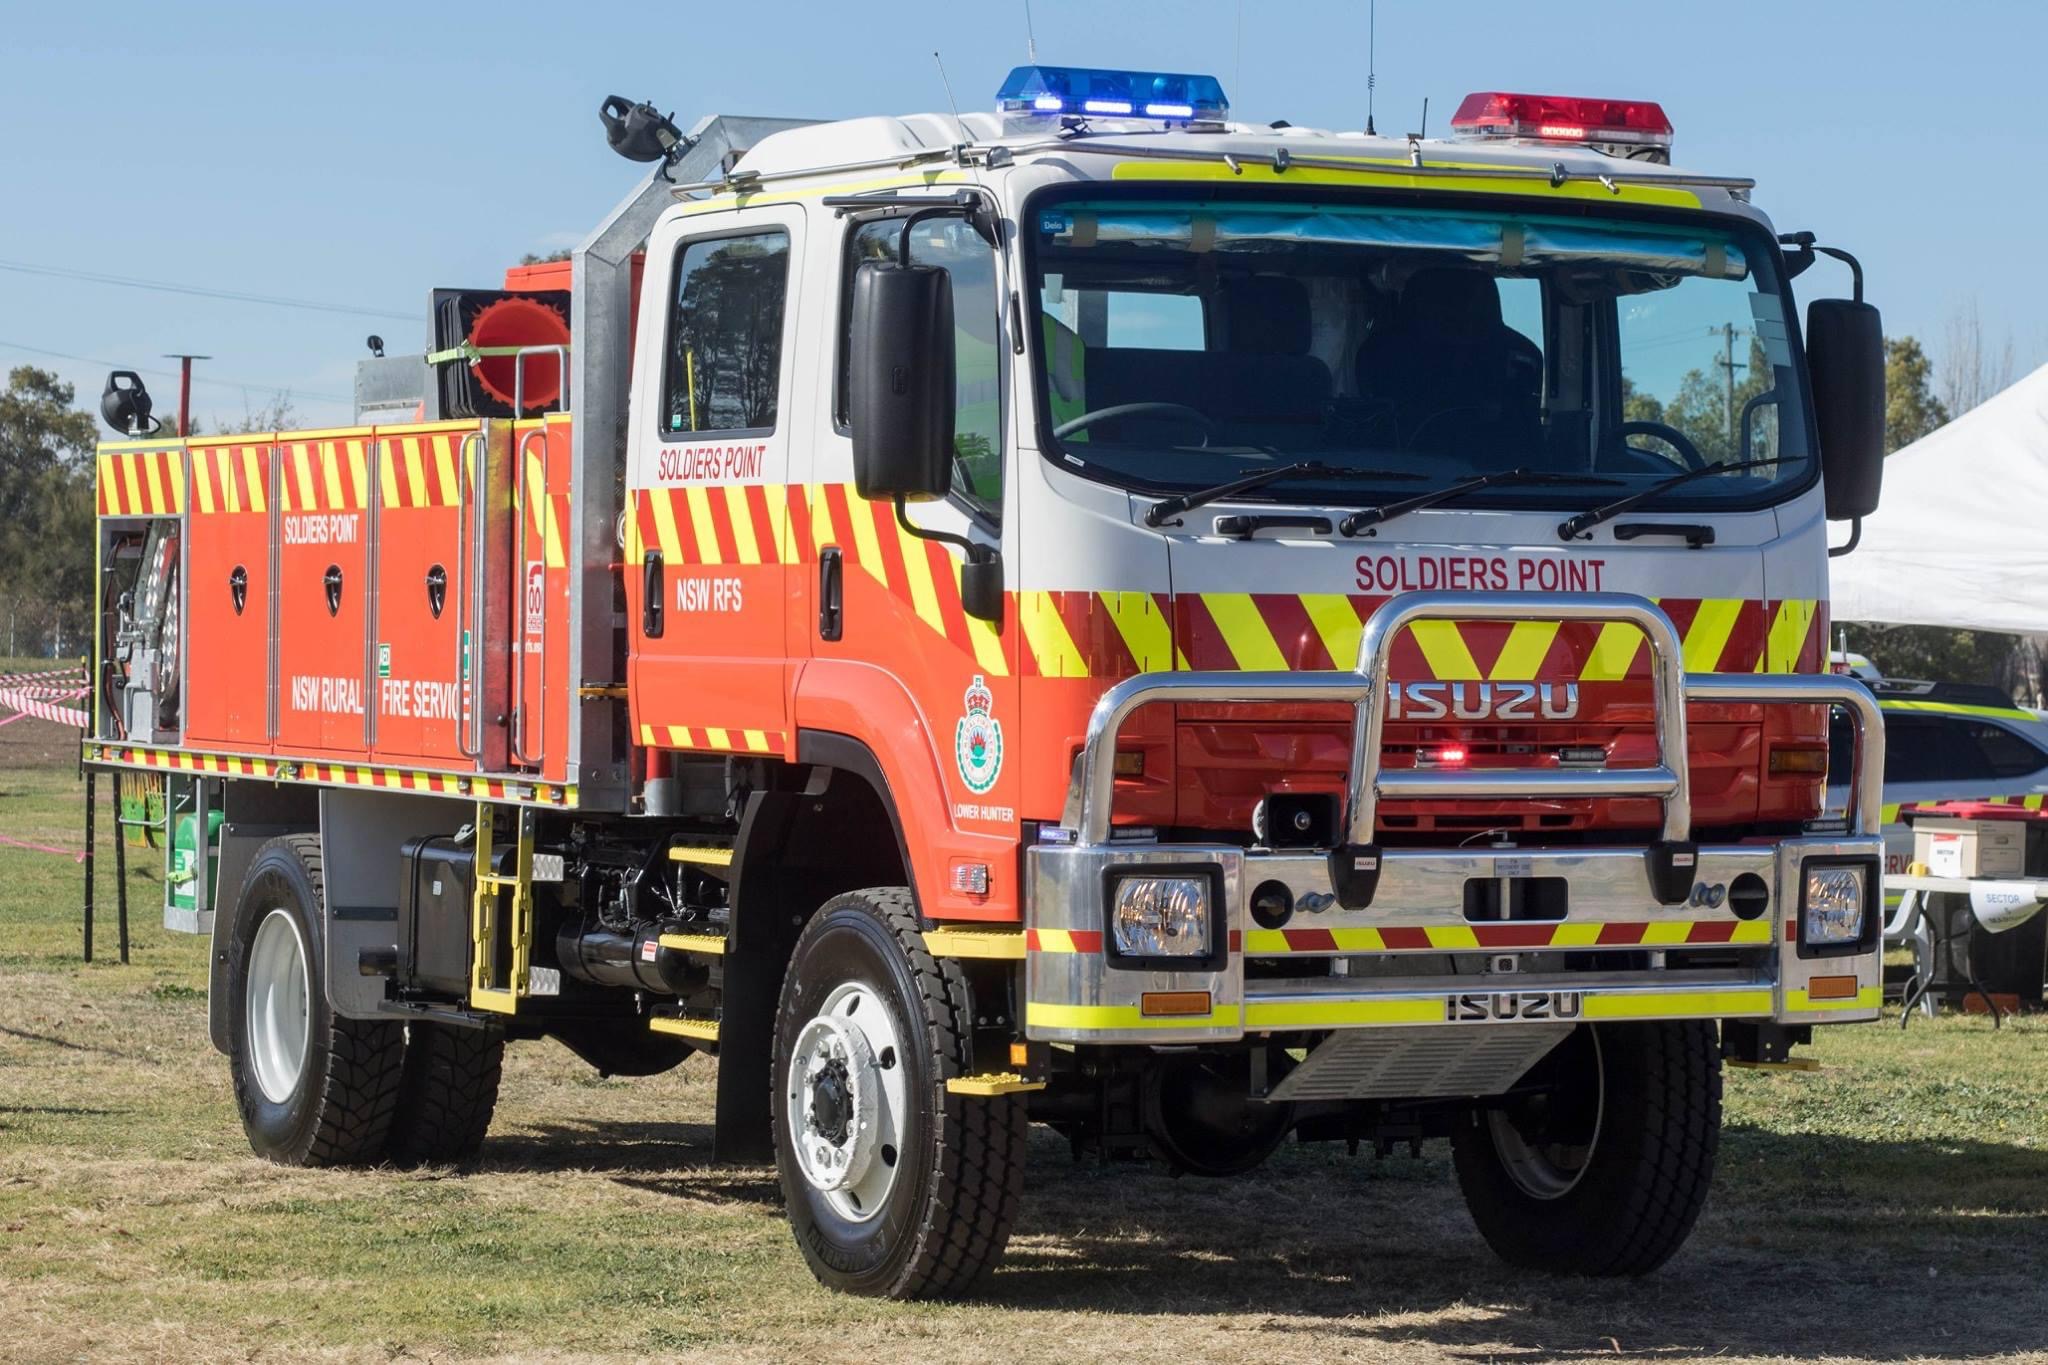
(46, 508)
(1973, 368)
(1910, 408)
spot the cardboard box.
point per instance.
(1971, 848)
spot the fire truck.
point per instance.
(1090, 614)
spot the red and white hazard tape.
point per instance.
(20, 700)
(49, 677)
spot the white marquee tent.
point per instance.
(1960, 537)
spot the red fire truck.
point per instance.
(1091, 614)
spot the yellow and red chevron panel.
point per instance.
(231, 478)
(710, 737)
(141, 481)
(496, 787)
(1451, 938)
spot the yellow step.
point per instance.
(702, 855)
(695, 943)
(703, 1030)
(957, 941)
(992, 1083)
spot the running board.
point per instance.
(713, 944)
(420, 1012)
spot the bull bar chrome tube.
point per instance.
(1092, 789)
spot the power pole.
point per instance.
(1728, 364)
(185, 389)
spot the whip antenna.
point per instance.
(949, 93)
(1030, 38)
(1372, 36)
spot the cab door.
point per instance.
(713, 429)
(896, 659)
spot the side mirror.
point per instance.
(1845, 357)
(900, 389)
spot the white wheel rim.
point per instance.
(279, 1005)
(847, 1101)
(1551, 1170)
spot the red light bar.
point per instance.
(1561, 118)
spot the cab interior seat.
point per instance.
(1452, 375)
(1261, 388)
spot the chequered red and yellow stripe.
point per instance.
(141, 483)
(1451, 938)
(318, 773)
(707, 737)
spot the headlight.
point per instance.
(1161, 917)
(1833, 906)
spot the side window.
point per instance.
(1927, 749)
(970, 266)
(724, 360)
(2006, 753)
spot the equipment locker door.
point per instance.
(323, 487)
(422, 529)
(228, 667)
(716, 420)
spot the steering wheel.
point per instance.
(1179, 411)
(1688, 453)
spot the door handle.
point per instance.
(831, 594)
(332, 580)
(437, 590)
(238, 587)
(651, 592)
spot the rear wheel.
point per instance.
(895, 1187)
(1602, 1164)
(446, 1093)
(314, 1089)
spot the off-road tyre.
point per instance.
(340, 1109)
(446, 1094)
(947, 1218)
(1642, 1187)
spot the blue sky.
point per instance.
(362, 154)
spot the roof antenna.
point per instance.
(1030, 38)
(1372, 35)
(949, 95)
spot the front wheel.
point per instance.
(1600, 1164)
(895, 1186)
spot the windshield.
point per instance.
(1187, 343)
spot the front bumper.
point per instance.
(1617, 933)
(1413, 958)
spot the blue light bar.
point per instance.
(1117, 94)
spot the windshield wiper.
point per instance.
(1573, 527)
(1373, 516)
(1258, 478)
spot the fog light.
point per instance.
(1161, 917)
(1272, 904)
(1832, 908)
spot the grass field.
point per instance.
(1891, 1207)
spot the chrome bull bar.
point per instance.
(1354, 868)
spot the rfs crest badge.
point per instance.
(978, 739)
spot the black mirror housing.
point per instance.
(1845, 357)
(900, 390)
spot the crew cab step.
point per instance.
(685, 1026)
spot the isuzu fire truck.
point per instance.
(1092, 614)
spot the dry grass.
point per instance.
(1893, 1207)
